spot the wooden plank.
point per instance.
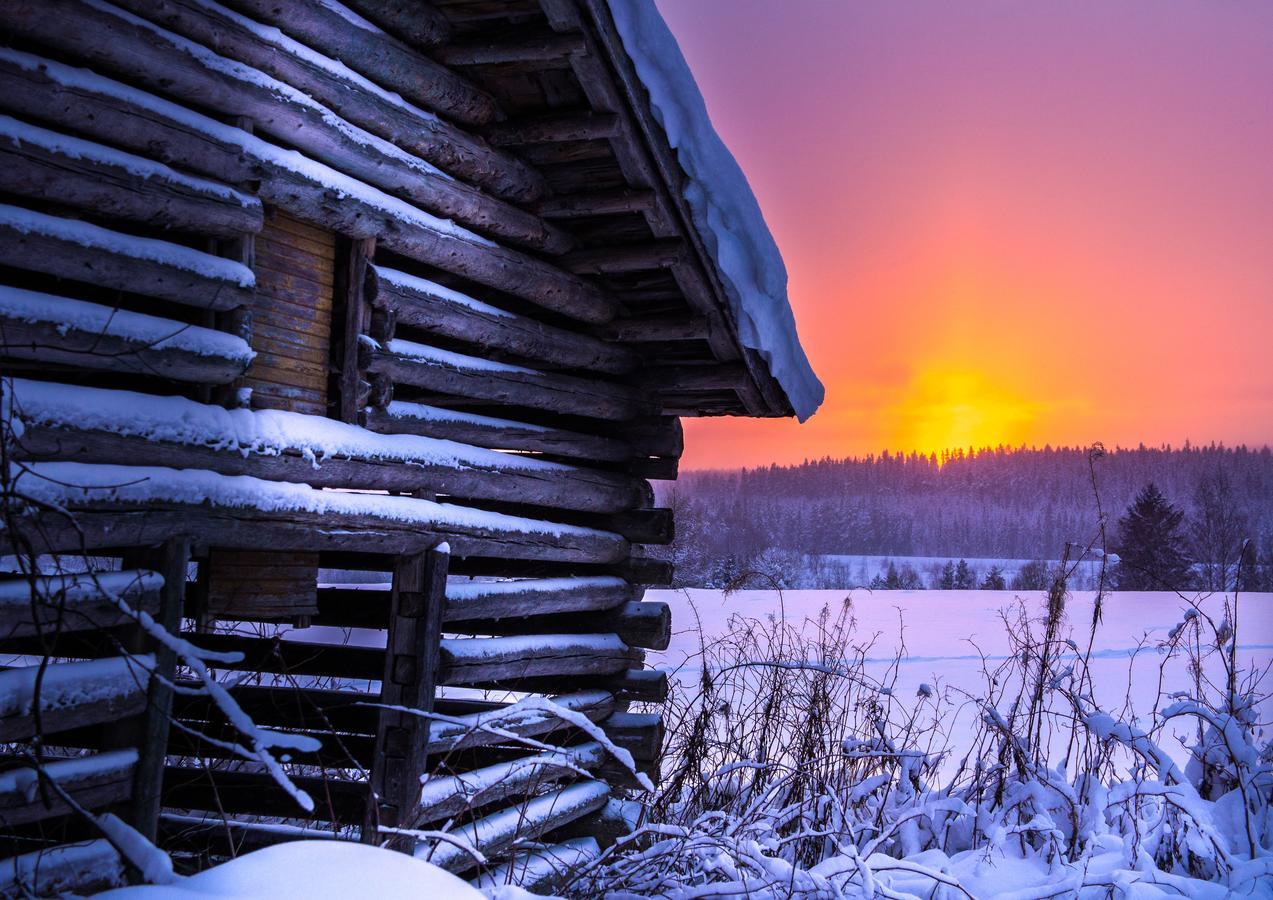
(415, 21)
(233, 791)
(118, 691)
(488, 661)
(288, 588)
(79, 869)
(408, 680)
(305, 252)
(41, 164)
(525, 46)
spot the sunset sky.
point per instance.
(1042, 222)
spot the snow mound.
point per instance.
(722, 204)
(315, 870)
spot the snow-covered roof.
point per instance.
(723, 208)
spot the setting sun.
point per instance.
(946, 408)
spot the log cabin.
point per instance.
(341, 340)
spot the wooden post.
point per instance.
(153, 752)
(410, 670)
(351, 305)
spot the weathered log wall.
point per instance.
(358, 272)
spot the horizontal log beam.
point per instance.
(449, 795)
(721, 377)
(81, 869)
(366, 606)
(497, 434)
(444, 145)
(423, 304)
(491, 727)
(464, 661)
(92, 782)
(535, 47)
(647, 625)
(377, 55)
(623, 259)
(71, 695)
(307, 190)
(67, 248)
(641, 734)
(599, 203)
(454, 374)
(553, 129)
(542, 869)
(172, 353)
(256, 793)
(568, 489)
(657, 330)
(496, 833)
(415, 21)
(75, 602)
(45, 165)
(105, 526)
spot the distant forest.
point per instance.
(1023, 503)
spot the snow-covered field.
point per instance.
(950, 636)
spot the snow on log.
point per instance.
(647, 625)
(75, 602)
(72, 695)
(444, 796)
(298, 184)
(482, 729)
(139, 505)
(98, 425)
(71, 869)
(533, 596)
(457, 374)
(80, 251)
(492, 607)
(46, 165)
(332, 28)
(424, 304)
(641, 734)
(538, 870)
(495, 660)
(401, 417)
(93, 782)
(62, 331)
(365, 104)
(496, 833)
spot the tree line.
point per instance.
(1213, 510)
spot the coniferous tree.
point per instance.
(1151, 546)
(994, 580)
(947, 582)
(1216, 531)
(965, 579)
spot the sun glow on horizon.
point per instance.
(946, 408)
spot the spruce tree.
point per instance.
(1151, 546)
(994, 580)
(965, 580)
(947, 582)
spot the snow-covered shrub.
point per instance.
(792, 772)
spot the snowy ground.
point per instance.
(949, 633)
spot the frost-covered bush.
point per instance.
(792, 772)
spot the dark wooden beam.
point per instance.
(377, 55)
(411, 669)
(415, 21)
(38, 164)
(624, 258)
(544, 48)
(552, 129)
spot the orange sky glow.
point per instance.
(1044, 222)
